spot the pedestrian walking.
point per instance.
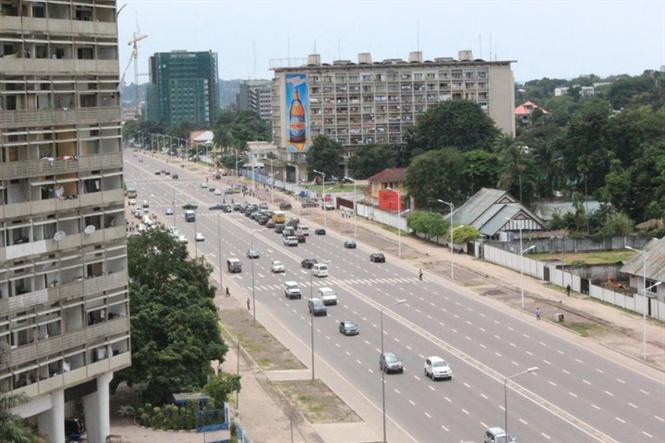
(248, 304)
(538, 313)
(420, 275)
(227, 292)
(568, 290)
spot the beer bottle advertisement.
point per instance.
(296, 98)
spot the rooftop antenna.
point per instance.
(288, 51)
(418, 36)
(314, 46)
(480, 45)
(490, 46)
(339, 48)
(254, 58)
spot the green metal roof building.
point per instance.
(183, 88)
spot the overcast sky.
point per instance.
(547, 38)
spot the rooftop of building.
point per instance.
(464, 58)
(528, 107)
(389, 175)
(655, 261)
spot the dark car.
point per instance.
(389, 362)
(166, 173)
(294, 222)
(279, 228)
(263, 220)
(270, 224)
(175, 176)
(219, 207)
(285, 206)
(228, 208)
(211, 189)
(316, 307)
(252, 253)
(350, 244)
(308, 263)
(217, 177)
(310, 204)
(189, 207)
(348, 328)
(320, 231)
(158, 172)
(237, 207)
(301, 237)
(377, 257)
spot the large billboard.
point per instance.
(296, 122)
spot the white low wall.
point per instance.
(387, 218)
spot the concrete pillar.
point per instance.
(97, 414)
(52, 422)
(297, 172)
(346, 169)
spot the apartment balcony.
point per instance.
(108, 328)
(26, 209)
(38, 168)
(72, 241)
(14, 119)
(52, 66)
(72, 28)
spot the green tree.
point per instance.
(369, 160)
(220, 386)
(516, 175)
(233, 129)
(431, 224)
(460, 124)
(324, 155)
(617, 225)
(436, 174)
(481, 170)
(175, 329)
(464, 233)
(12, 427)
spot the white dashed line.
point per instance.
(620, 420)
(621, 381)
(609, 393)
(412, 403)
(444, 428)
(483, 396)
(632, 405)
(467, 385)
(572, 394)
(579, 361)
(565, 371)
(600, 370)
(524, 422)
(465, 411)
(529, 353)
(396, 390)
(416, 377)
(659, 418)
(644, 392)
(585, 381)
(595, 406)
(647, 434)
(432, 388)
(551, 382)
(359, 362)
(483, 346)
(448, 399)
(545, 435)
(547, 362)
(427, 415)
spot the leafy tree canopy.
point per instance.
(233, 129)
(436, 174)
(175, 329)
(369, 160)
(324, 156)
(431, 224)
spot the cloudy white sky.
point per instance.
(547, 38)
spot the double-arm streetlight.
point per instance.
(644, 253)
(383, 370)
(451, 205)
(323, 196)
(522, 251)
(505, 395)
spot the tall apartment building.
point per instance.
(255, 95)
(376, 102)
(64, 310)
(183, 88)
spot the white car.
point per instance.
(173, 232)
(199, 237)
(328, 296)
(182, 238)
(277, 266)
(290, 241)
(218, 192)
(131, 202)
(436, 368)
(204, 185)
(168, 211)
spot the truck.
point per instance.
(496, 434)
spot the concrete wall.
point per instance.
(543, 245)
(502, 98)
(387, 218)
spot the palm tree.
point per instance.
(12, 427)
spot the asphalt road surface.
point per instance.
(575, 396)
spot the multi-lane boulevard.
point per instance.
(575, 396)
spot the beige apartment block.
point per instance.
(370, 102)
(64, 308)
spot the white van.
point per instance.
(328, 296)
(320, 270)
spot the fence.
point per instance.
(387, 218)
(632, 302)
(561, 244)
(290, 187)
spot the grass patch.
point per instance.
(258, 342)
(590, 258)
(316, 401)
(584, 329)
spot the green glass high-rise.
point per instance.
(183, 88)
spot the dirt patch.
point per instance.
(585, 329)
(257, 341)
(316, 401)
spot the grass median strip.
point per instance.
(268, 353)
(316, 401)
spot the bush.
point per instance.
(465, 233)
(432, 224)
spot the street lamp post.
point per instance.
(219, 250)
(355, 210)
(505, 395)
(522, 251)
(311, 295)
(451, 205)
(383, 372)
(399, 232)
(323, 196)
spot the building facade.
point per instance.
(64, 309)
(183, 88)
(256, 96)
(369, 102)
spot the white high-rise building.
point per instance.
(64, 309)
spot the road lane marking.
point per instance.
(565, 371)
(647, 434)
(621, 381)
(484, 396)
(427, 415)
(523, 421)
(467, 337)
(609, 393)
(445, 428)
(359, 362)
(572, 394)
(498, 354)
(467, 385)
(595, 406)
(396, 391)
(409, 348)
(483, 346)
(547, 362)
(370, 371)
(620, 420)
(600, 370)
(529, 353)
(412, 402)
(448, 399)
(579, 361)
(416, 377)
(632, 405)
(482, 329)
(659, 418)
(546, 436)
(510, 328)
(514, 363)
(551, 382)
(644, 392)
(584, 380)
(465, 411)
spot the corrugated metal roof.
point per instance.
(476, 206)
(495, 223)
(655, 261)
(389, 175)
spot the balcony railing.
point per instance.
(43, 66)
(36, 168)
(57, 26)
(25, 209)
(12, 119)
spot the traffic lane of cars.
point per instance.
(557, 358)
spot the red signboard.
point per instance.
(388, 200)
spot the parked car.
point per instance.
(350, 244)
(277, 267)
(292, 290)
(252, 253)
(204, 185)
(211, 189)
(158, 172)
(168, 211)
(279, 228)
(237, 206)
(219, 207)
(437, 368)
(316, 307)
(270, 224)
(390, 362)
(301, 237)
(285, 206)
(310, 204)
(131, 202)
(377, 257)
(304, 229)
(348, 328)
(199, 237)
(320, 231)
(218, 192)
(189, 207)
(175, 176)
